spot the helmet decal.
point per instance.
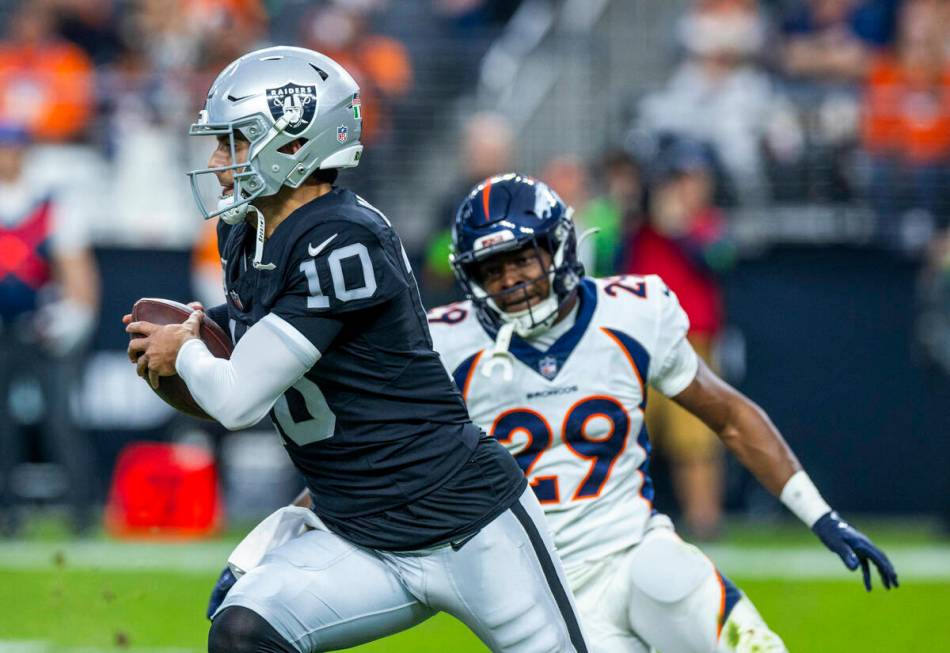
(297, 102)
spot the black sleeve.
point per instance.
(335, 270)
(219, 314)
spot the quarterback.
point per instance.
(557, 367)
(409, 508)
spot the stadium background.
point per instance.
(833, 260)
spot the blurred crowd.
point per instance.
(803, 102)
(95, 100)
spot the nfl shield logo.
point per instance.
(342, 133)
(295, 101)
(548, 367)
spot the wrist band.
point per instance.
(802, 497)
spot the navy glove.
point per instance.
(225, 581)
(854, 548)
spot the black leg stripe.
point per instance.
(550, 574)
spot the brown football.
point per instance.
(164, 311)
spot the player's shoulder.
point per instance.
(336, 221)
(344, 215)
(635, 304)
(458, 320)
(631, 293)
(456, 331)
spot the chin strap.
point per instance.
(584, 236)
(259, 243)
(500, 356)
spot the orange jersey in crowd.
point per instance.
(382, 68)
(47, 89)
(906, 116)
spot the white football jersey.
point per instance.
(572, 414)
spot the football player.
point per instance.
(557, 367)
(414, 509)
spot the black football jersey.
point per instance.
(376, 424)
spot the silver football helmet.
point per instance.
(272, 97)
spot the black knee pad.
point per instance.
(240, 630)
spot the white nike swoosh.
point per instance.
(319, 248)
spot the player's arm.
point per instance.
(744, 428)
(747, 432)
(239, 391)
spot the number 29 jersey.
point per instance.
(573, 414)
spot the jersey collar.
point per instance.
(549, 363)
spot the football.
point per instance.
(172, 389)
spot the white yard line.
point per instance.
(188, 557)
(31, 646)
(917, 563)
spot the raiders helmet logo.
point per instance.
(297, 102)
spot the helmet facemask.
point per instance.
(248, 182)
(534, 319)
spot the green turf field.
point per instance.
(102, 596)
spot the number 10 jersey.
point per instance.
(572, 414)
(379, 434)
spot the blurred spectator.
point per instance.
(475, 15)
(379, 64)
(194, 38)
(833, 39)
(598, 250)
(485, 150)
(617, 210)
(93, 25)
(719, 94)
(906, 126)
(49, 294)
(46, 83)
(567, 175)
(151, 93)
(223, 29)
(684, 242)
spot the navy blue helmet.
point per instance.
(507, 213)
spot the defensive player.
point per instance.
(556, 366)
(418, 510)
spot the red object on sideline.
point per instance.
(164, 490)
(649, 252)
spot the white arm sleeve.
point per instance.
(239, 391)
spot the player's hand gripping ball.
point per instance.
(151, 340)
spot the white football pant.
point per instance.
(322, 593)
(665, 594)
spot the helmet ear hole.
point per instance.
(293, 146)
